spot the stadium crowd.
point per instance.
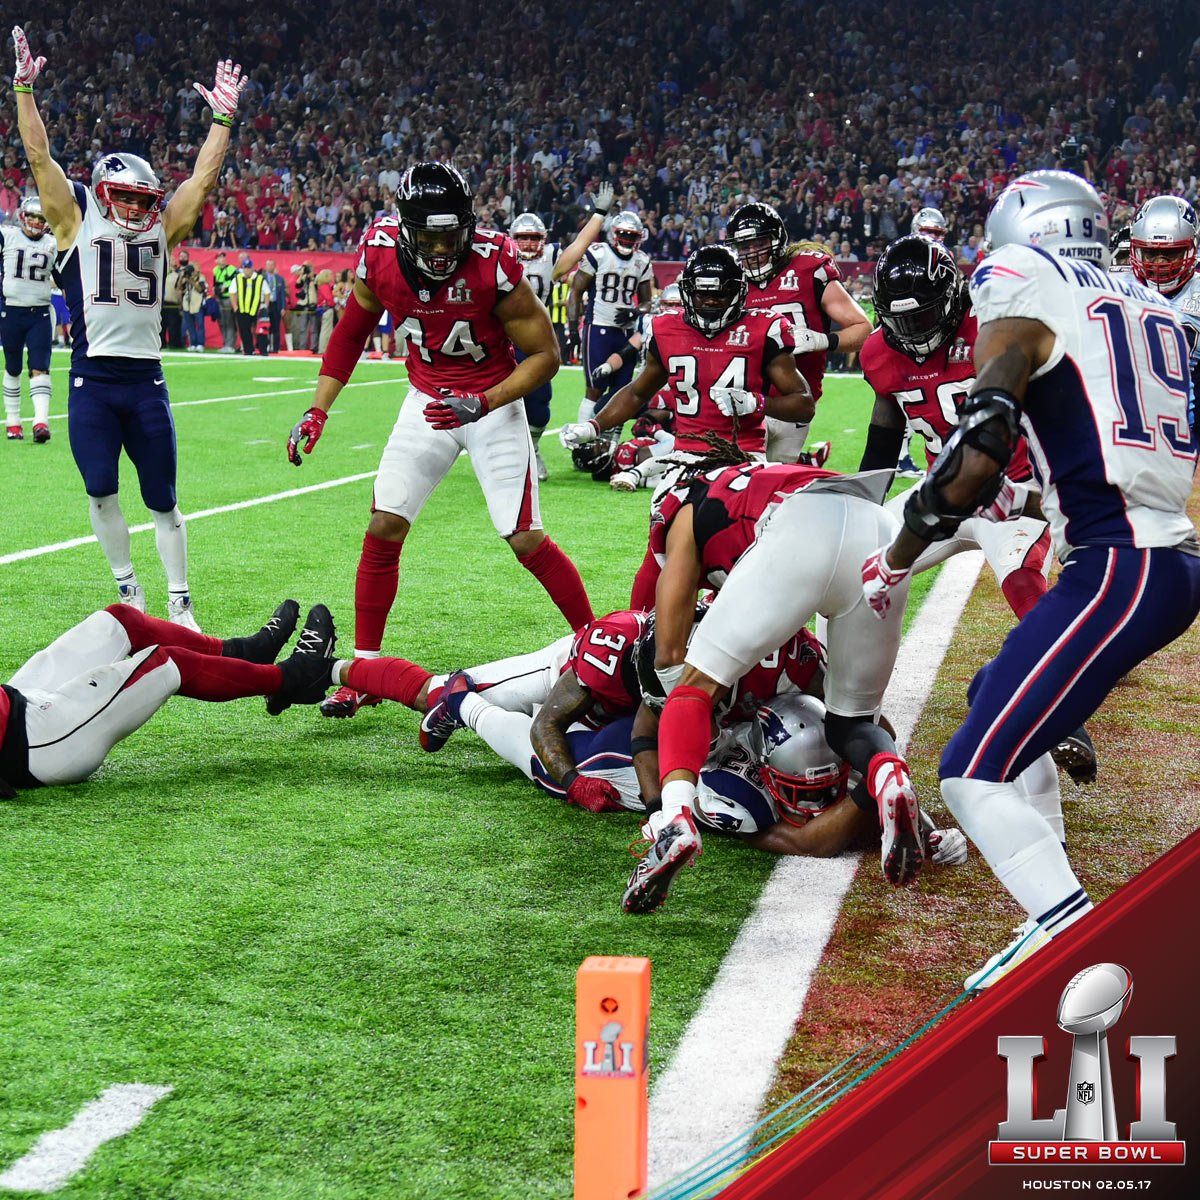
(847, 134)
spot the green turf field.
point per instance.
(353, 962)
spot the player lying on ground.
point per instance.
(1093, 369)
(66, 708)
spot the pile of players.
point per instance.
(1055, 402)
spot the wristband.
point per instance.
(833, 343)
(569, 778)
(640, 745)
(219, 120)
(22, 87)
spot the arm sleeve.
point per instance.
(348, 340)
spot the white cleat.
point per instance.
(902, 852)
(132, 594)
(1030, 938)
(626, 481)
(180, 612)
(675, 847)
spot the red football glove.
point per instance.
(28, 68)
(596, 795)
(455, 409)
(878, 580)
(306, 432)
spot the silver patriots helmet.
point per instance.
(802, 774)
(128, 193)
(529, 233)
(1055, 211)
(31, 218)
(1162, 243)
(930, 223)
(626, 233)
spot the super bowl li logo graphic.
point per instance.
(1085, 1132)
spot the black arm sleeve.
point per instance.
(882, 449)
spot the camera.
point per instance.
(1071, 153)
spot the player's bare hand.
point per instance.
(878, 581)
(456, 409)
(579, 434)
(226, 90)
(735, 401)
(28, 68)
(596, 795)
(306, 433)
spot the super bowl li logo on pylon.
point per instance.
(1085, 1132)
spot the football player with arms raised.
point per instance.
(1092, 369)
(461, 307)
(25, 324)
(805, 285)
(112, 243)
(544, 264)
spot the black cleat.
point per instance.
(41, 434)
(306, 674)
(1076, 755)
(265, 645)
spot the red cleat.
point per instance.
(14, 433)
(345, 702)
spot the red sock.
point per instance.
(211, 677)
(557, 574)
(392, 678)
(645, 583)
(1023, 588)
(143, 631)
(685, 731)
(375, 590)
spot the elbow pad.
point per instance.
(989, 421)
(348, 340)
(882, 449)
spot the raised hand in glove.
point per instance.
(28, 68)
(223, 97)
(603, 200)
(455, 409)
(306, 433)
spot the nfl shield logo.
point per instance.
(424, 295)
(1086, 1092)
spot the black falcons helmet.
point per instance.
(920, 295)
(643, 658)
(598, 458)
(712, 289)
(756, 231)
(437, 219)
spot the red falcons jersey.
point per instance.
(931, 390)
(796, 293)
(449, 331)
(789, 669)
(602, 659)
(729, 503)
(737, 357)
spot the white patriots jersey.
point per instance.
(113, 287)
(615, 283)
(1107, 415)
(540, 271)
(1186, 303)
(25, 268)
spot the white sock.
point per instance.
(536, 435)
(587, 410)
(366, 653)
(108, 524)
(677, 795)
(39, 391)
(506, 733)
(1021, 848)
(170, 536)
(1039, 785)
(904, 446)
(335, 675)
(12, 399)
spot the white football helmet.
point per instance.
(1162, 243)
(529, 233)
(31, 218)
(930, 223)
(801, 772)
(670, 297)
(626, 233)
(128, 193)
(1055, 211)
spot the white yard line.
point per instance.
(725, 1063)
(61, 1153)
(55, 547)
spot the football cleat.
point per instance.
(1029, 938)
(677, 844)
(306, 674)
(901, 849)
(818, 456)
(265, 645)
(14, 433)
(443, 718)
(540, 463)
(41, 434)
(1076, 755)
(626, 481)
(180, 612)
(907, 469)
(345, 702)
(133, 595)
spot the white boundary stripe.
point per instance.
(725, 1063)
(54, 547)
(61, 1153)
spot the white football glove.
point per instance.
(808, 341)
(28, 68)
(603, 199)
(579, 434)
(948, 847)
(1008, 504)
(226, 91)
(601, 373)
(878, 581)
(732, 400)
